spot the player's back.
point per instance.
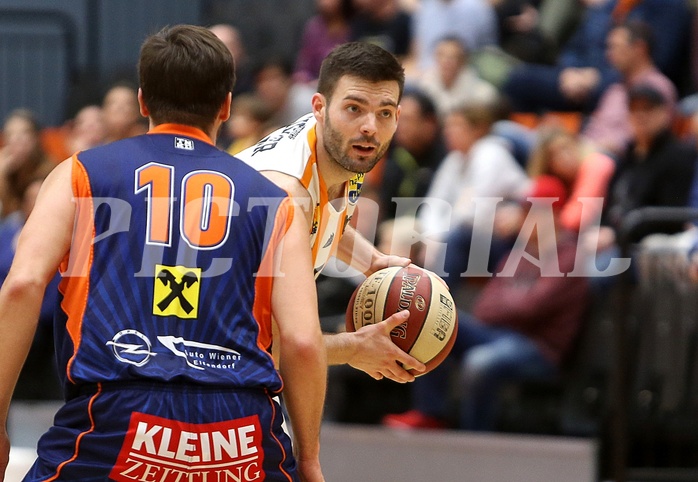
(162, 284)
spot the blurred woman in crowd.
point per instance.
(22, 159)
(584, 171)
(326, 29)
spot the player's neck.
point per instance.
(333, 175)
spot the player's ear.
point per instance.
(141, 104)
(319, 104)
(224, 113)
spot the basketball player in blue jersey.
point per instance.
(321, 160)
(175, 257)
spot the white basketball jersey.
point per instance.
(292, 150)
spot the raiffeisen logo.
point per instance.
(166, 450)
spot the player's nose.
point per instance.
(368, 126)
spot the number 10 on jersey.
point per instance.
(205, 207)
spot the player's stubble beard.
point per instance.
(337, 148)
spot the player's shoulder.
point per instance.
(114, 151)
(288, 183)
(284, 141)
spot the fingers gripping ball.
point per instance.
(429, 332)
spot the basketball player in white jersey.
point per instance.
(320, 160)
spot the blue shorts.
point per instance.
(166, 433)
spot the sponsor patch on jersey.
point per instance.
(164, 450)
(201, 356)
(316, 220)
(132, 347)
(176, 291)
(354, 189)
(183, 143)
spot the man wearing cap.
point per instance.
(656, 170)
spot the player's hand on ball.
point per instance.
(386, 261)
(377, 355)
(427, 335)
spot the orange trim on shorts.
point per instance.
(271, 432)
(75, 267)
(82, 434)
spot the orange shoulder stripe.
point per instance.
(75, 267)
(261, 309)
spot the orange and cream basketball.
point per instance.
(429, 332)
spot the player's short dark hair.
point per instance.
(362, 60)
(185, 74)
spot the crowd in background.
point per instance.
(570, 101)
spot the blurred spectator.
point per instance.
(323, 31)
(232, 39)
(474, 22)
(10, 228)
(39, 377)
(557, 20)
(584, 171)
(451, 82)
(409, 5)
(687, 108)
(244, 75)
(629, 50)
(248, 123)
(582, 71)
(22, 158)
(656, 169)
(288, 100)
(520, 137)
(478, 166)
(84, 131)
(692, 77)
(670, 23)
(517, 21)
(384, 23)
(121, 113)
(522, 327)
(578, 77)
(415, 153)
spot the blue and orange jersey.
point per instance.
(169, 275)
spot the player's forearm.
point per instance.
(338, 347)
(20, 302)
(357, 251)
(304, 370)
(341, 347)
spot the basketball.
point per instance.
(429, 332)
